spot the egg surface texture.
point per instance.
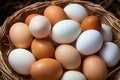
(91, 22)
(20, 35)
(94, 68)
(21, 61)
(89, 42)
(65, 31)
(29, 17)
(40, 26)
(55, 14)
(107, 33)
(42, 48)
(110, 53)
(73, 75)
(46, 69)
(76, 12)
(68, 56)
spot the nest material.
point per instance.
(6, 46)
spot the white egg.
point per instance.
(73, 75)
(40, 26)
(76, 11)
(110, 53)
(21, 60)
(89, 42)
(65, 31)
(107, 33)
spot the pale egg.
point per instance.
(89, 42)
(110, 53)
(65, 31)
(76, 11)
(21, 61)
(39, 26)
(107, 33)
(73, 75)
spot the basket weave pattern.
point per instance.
(6, 46)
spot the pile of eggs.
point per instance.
(63, 44)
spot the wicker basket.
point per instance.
(6, 46)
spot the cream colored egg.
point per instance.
(40, 26)
(68, 56)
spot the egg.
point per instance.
(110, 53)
(68, 56)
(65, 31)
(21, 61)
(89, 42)
(39, 26)
(46, 69)
(107, 33)
(54, 14)
(29, 17)
(76, 11)
(91, 22)
(73, 75)
(20, 35)
(42, 48)
(94, 68)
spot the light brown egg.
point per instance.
(20, 35)
(94, 68)
(46, 69)
(91, 22)
(29, 17)
(55, 14)
(42, 48)
(68, 56)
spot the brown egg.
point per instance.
(55, 14)
(20, 35)
(29, 17)
(42, 48)
(91, 22)
(46, 69)
(94, 68)
(68, 56)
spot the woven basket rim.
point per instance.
(113, 21)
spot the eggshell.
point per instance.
(73, 75)
(54, 14)
(91, 22)
(110, 53)
(76, 11)
(94, 68)
(107, 33)
(29, 17)
(89, 42)
(20, 35)
(65, 31)
(42, 48)
(68, 56)
(21, 61)
(46, 69)
(40, 26)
